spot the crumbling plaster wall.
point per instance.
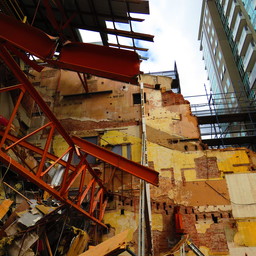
(191, 176)
(205, 202)
(117, 108)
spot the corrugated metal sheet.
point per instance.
(242, 190)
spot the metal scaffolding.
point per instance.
(225, 119)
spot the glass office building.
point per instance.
(228, 43)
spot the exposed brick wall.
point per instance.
(206, 167)
(170, 98)
(189, 227)
(214, 238)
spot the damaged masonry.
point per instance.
(98, 159)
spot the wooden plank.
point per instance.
(114, 243)
(4, 207)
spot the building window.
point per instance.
(208, 29)
(91, 159)
(223, 69)
(211, 39)
(221, 76)
(205, 19)
(206, 11)
(213, 32)
(137, 98)
(215, 47)
(122, 150)
(228, 83)
(218, 63)
(220, 55)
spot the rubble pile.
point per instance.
(32, 226)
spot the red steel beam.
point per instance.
(112, 63)
(46, 149)
(83, 194)
(55, 162)
(98, 60)
(10, 88)
(27, 136)
(24, 57)
(118, 161)
(26, 37)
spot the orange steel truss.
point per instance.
(25, 39)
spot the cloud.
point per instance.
(175, 26)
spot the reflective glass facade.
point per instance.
(250, 6)
(228, 43)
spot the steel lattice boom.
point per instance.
(25, 39)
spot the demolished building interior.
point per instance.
(85, 137)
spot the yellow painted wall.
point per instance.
(229, 160)
(59, 145)
(246, 235)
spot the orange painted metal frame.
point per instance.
(140, 171)
(42, 46)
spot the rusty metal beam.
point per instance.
(10, 88)
(118, 32)
(118, 161)
(24, 57)
(128, 47)
(15, 109)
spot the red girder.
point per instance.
(26, 85)
(102, 61)
(118, 161)
(26, 37)
(113, 63)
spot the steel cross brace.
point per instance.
(20, 169)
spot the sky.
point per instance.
(175, 25)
